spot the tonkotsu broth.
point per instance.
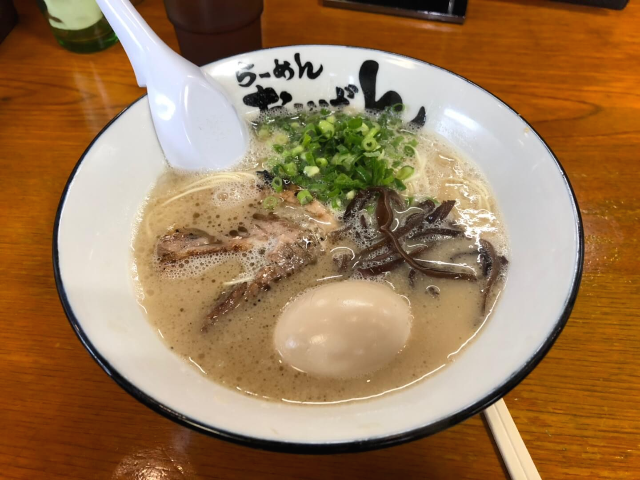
(238, 350)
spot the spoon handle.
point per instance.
(139, 41)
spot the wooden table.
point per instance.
(573, 72)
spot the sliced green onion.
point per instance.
(354, 123)
(304, 197)
(374, 130)
(336, 203)
(364, 174)
(334, 193)
(405, 172)
(348, 161)
(326, 128)
(342, 180)
(270, 203)
(387, 180)
(311, 171)
(399, 184)
(280, 138)
(276, 184)
(397, 141)
(409, 151)
(369, 144)
(318, 187)
(290, 169)
(332, 155)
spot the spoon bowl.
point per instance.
(197, 125)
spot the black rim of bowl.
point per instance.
(338, 447)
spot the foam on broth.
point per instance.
(238, 351)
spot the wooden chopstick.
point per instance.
(512, 448)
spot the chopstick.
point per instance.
(512, 448)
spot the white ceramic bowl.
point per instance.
(93, 233)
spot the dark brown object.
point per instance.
(393, 262)
(427, 205)
(62, 418)
(434, 232)
(412, 277)
(611, 4)
(491, 267)
(412, 222)
(295, 249)
(440, 213)
(356, 204)
(185, 243)
(230, 302)
(452, 11)
(342, 262)
(208, 30)
(385, 216)
(8, 18)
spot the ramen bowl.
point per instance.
(100, 204)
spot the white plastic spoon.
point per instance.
(196, 123)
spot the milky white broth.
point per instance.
(238, 349)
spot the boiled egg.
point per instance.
(343, 329)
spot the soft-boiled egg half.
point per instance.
(343, 329)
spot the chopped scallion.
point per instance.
(304, 197)
(409, 151)
(276, 184)
(369, 144)
(331, 155)
(405, 172)
(311, 171)
(326, 128)
(270, 203)
(290, 169)
(281, 138)
(399, 184)
(354, 123)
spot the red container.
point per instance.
(8, 18)
(211, 29)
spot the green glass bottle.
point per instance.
(78, 25)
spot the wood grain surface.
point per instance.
(573, 72)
